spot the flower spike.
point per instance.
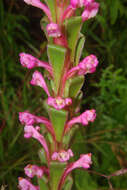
(37, 79)
(25, 184)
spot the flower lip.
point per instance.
(53, 30)
(28, 60)
(59, 102)
(63, 155)
(32, 170)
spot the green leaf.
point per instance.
(51, 5)
(58, 119)
(73, 27)
(79, 49)
(75, 86)
(42, 183)
(57, 57)
(56, 171)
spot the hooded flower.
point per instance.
(38, 80)
(25, 184)
(34, 170)
(87, 65)
(63, 155)
(53, 30)
(83, 162)
(84, 119)
(90, 11)
(58, 102)
(30, 131)
(30, 62)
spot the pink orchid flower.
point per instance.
(30, 62)
(87, 65)
(83, 162)
(53, 30)
(25, 184)
(63, 155)
(34, 170)
(90, 11)
(84, 119)
(58, 102)
(30, 131)
(26, 118)
(37, 79)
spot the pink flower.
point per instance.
(53, 30)
(83, 162)
(32, 170)
(63, 155)
(25, 184)
(26, 118)
(37, 79)
(30, 131)
(84, 118)
(59, 103)
(90, 11)
(88, 65)
(29, 119)
(30, 62)
(80, 3)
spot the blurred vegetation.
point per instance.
(106, 91)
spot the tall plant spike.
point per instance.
(63, 91)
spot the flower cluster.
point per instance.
(61, 102)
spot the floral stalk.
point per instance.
(66, 77)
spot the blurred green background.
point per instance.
(105, 90)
